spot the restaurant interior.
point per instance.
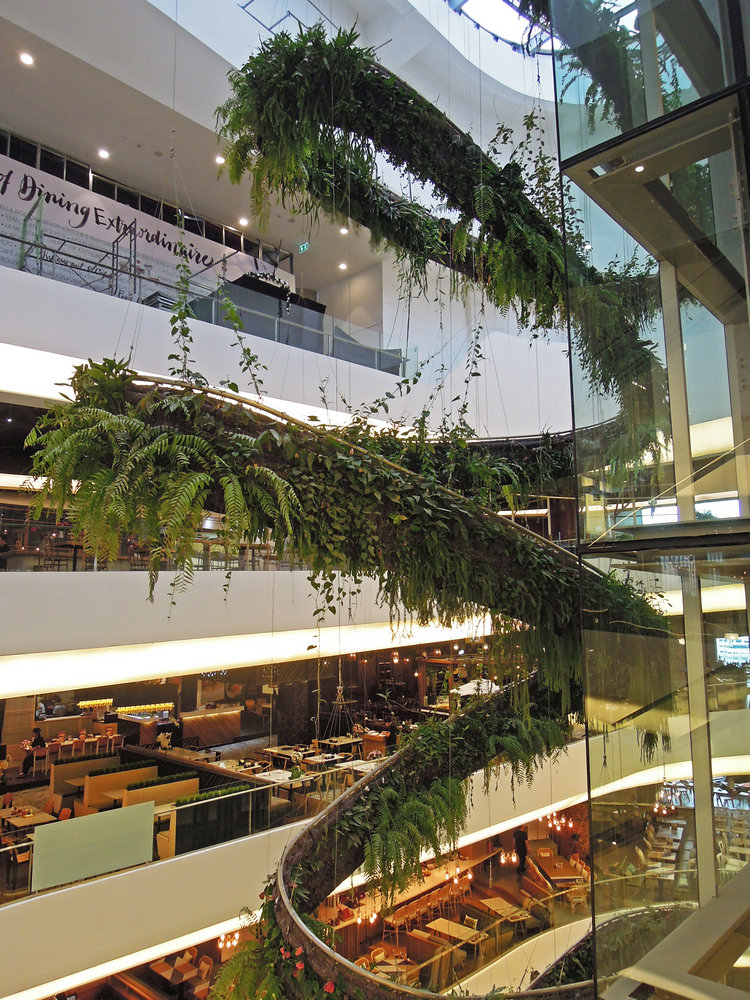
(162, 768)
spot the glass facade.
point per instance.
(652, 110)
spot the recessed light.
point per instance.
(242, 221)
(104, 154)
(342, 266)
(343, 230)
(27, 59)
(640, 168)
(220, 159)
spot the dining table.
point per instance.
(333, 743)
(558, 872)
(360, 767)
(456, 932)
(322, 761)
(77, 782)
(36, 818)
(176, 973)
(68, 545)
(504, 909)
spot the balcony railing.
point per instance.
(116, 271)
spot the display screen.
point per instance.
(733, 650)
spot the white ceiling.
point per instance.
(68, 104)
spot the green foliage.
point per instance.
(212, 793)
(81, 757)
(306, 118)
(149, 458)
(267, 967)
(135, 765)
(163, 780)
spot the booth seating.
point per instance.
(421, 946)
(96, 785)
(169, 791)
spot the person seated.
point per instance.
(37, 741)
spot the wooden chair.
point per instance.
(393, 922)
(117, 741)
(421, 908)
(64, 814)
(377, 955)
(446, 896)
(17, 856)
(188, 958)
(7, 800)
(363, 962)
(78, 748)
(576, 896)
(40, 763)
(203, 978)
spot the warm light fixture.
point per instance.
(220, 159)
(343, 230)
(557, 822)
(27, 59)
(104, 154)
(242, 221)
(342, 266)
(640, 168)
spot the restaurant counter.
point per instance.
(71, 725)
(213, 726)
(374, 742)
(142, 729)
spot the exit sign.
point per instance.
(303, 247)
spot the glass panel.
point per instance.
(641, 770)
(622, 64)
(621, 465)
(727, 656)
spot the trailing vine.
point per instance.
(306, 119)
(148, 457)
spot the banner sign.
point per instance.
(98, 243)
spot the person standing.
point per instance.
(520, 838)
(36, 741)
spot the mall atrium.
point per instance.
(462, 672)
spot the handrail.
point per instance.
(322, 959)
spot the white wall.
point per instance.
(131, 917)
(524, 384)
(358, 298)
(57, 318)
(88, 626)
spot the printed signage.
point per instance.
(98, 243)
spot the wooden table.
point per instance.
(504, 909)
(76, 783)
(360, 767)
(116, 794)
(176, 975)
(339, 742)
(457, 932)
(322, 761)
(275, 777)
(558, 872)
(35, 819)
